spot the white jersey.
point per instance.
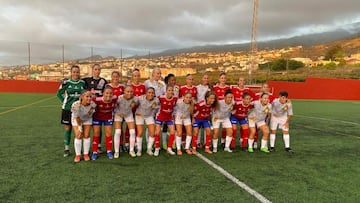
(182, 109)
(146, 107)
(125, 106)
(159, 86)
(83, 112)
(281, 110)
(224, 110)
(176, 91)
(201, 91)
(259, 112)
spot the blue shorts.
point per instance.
(236, 121)
(100, 122)
(166, 122)
(201, 123)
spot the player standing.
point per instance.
(69, 92)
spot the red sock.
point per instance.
(108, 140)
(194, 141)
(157, 141)
(127, 135)
(223, 134)
(256, 136)
(95, 143)
(245, 137)
(207, 141)
(171, 140)
(233, 141)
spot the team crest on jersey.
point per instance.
(285, 108)
(153, 105)
(266, 110)
(132, 104)
(91, 110)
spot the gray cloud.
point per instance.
(162, 24)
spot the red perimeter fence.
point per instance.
(312, 88)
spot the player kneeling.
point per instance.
(281, 115)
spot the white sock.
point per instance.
(164, 137)
(215, 143)
(150, 143)
(86, 145)
(227, 141)
(147, 135)
(139, 143)
(188, 141)
(178, 142)
(77, 146)
(222, 140)
(132, 139)
(286, 138)
(250, 143)
(117, 140)
(263, 143)
(272, 140)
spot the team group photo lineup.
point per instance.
(142, 117)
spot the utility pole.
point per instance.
(29, 60)
(253, 51)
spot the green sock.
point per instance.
(67, 137)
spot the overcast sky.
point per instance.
(165, 24)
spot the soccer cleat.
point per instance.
(223, 145)
(86, 157)
(110, 155)
(179, 152)
(138, 153)
(264, 149)
(272, 149)
(207, 150)
(188, 152)
(255, 145)
(99, 151)
(77, 158)
(157, 152)
(66, 153)
(116, 155)
(170, 151)
(126, 148)
(214, 150)
(194, 151)
(94, 156)
(199, 146)
(227, 149)
(289, 150)
(132, 154)
(122, 148)
(250, 149)
(244, 149)
(149, 152)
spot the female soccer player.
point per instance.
(259, 118)
(220, 90)
(239, 116)
(156, 83)
(221, 115)
(138, 87)
(81, 120)
(189, 87)
(69, 92)
(103, 115)
(280, 116)
(125, 104)
(240, 89)
(165, 115)
(202, 111)
(183, 110)
(144, 113)
(201, 89)
(118, 89)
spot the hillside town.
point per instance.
(180, 65)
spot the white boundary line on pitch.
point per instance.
(328, 119)
(24, 106)
(234, 180)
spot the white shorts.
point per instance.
(87, 122)
(253, 122)
(140, 120)
(127, 118)
(182, 121)
(225, 122)
(278, 121)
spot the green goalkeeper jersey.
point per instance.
(69, 92)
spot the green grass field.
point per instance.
(325, 167)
